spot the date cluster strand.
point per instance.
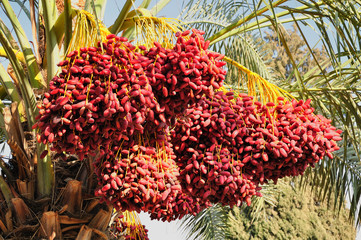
(168, 140)
(226, 146)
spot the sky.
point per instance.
(157, 230)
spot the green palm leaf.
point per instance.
(213, 16)
(334, 87)
(209, 224)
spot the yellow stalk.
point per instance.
(257, 86)
(85, 32)
(150, 29)
(132, 218)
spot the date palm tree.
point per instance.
(55, 199)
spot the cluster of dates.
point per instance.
(138, 177)
(226, 146)
(122, 84)
(182, 75)
(169, 142)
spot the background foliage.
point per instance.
(297, 213)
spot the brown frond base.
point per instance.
(71, 212)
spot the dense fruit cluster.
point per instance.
(169, 142)
(227, 145)
(114, 83)
(207, 142)
(182, 75)
(138, 177)
(294, 138)
(98, 97)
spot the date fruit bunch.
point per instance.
(107, 93)
(144, 178)
(293, 138)
(182, 75)
(106, 99)
(99, 96)
(227, 146)
(170, 142)
(139, 176)
(207, 142)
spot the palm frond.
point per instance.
(209, 224)
(25, 88)
(97, 8)
(35, 76)
(334, 87)
(68, 24)
(269, 192)
(8, 35)
(342, 175)
(52, 53)
(115, 28)
(23, 7)
(244, 48)
(221, 12)
(159, 6)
